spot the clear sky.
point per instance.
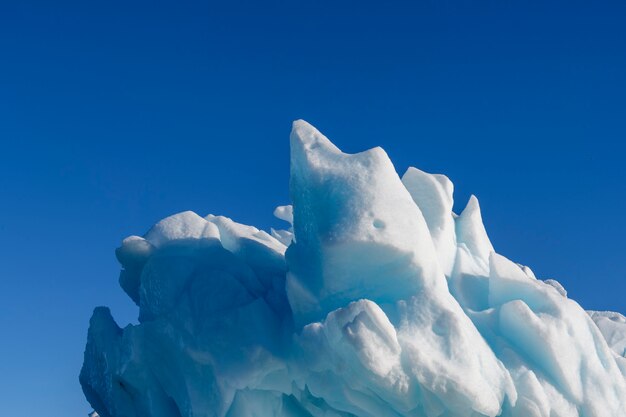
(116, 114)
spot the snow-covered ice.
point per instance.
(376, 300)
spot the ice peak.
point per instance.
(433, 195)
(470, 231)
(349, 207)
(306, 137)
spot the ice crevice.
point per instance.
(375, 300)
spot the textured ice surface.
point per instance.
(376, 300)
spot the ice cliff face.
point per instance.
(378, 301)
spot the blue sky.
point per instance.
(116, 114)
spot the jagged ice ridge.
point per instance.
(377, 301)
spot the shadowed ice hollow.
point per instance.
(375, 301)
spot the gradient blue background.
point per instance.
(115, 114)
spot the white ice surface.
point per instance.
(376, 301)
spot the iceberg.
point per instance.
(376, 300)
